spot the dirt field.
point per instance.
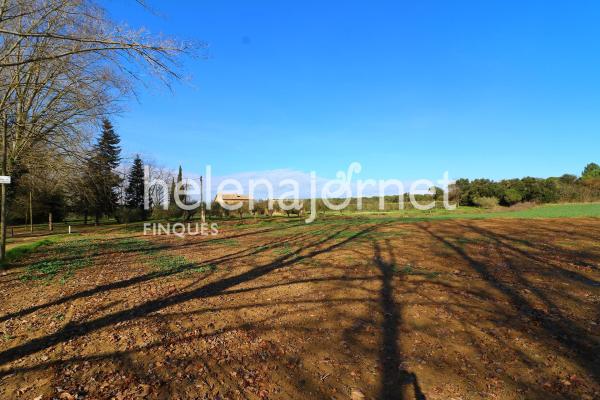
(339, 309)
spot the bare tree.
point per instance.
(80, 27)
(156, 193)
(63, 66)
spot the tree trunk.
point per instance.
(3, 199)
(30, 212)
(50, 227)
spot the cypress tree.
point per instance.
(179, 175)
(172, 193)
(174, 211)
(183, 199)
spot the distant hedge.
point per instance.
(566, 188)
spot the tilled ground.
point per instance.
(339, 309)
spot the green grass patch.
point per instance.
(560, 211)
(283, 250)
(346, 234)
(67, 256)
(132, 245)
(564, 210)
(97, 246)
(265, 247)
(6, 337)
(75, 247)
(21, 251)
(169, 263)
(47, 270)
(201, 269)
(174, 264)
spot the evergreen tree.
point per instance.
(591, 171)
(174, 210)
(172, 193)
(105, 158)
(107, 148)
(180, 186)
(134, 194)
(179, 175)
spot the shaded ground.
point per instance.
(342, 308)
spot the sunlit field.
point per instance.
(348, 306)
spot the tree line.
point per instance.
(508, 192)
(105, 188)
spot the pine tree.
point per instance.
(105, 158)
(134, 194)
(107, 150)
(591, 171)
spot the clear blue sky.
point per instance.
(409, 89)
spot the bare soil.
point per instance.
(345, 308)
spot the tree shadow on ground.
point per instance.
(394, 378)
(554, 330)
(385, 284)
(74, 330)
(149, 276)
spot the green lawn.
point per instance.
(566, 210)
(21, 250)
(558, 211)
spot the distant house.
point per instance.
(231, 198)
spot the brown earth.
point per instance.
(340, 309)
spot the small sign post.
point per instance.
(4, 180)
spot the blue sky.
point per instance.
(409, 89)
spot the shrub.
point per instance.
(511, 196)
(216, 210)
(568, 179)
(126, 215)
(486, 202)
(160, 213)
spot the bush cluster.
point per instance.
(566, 188)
